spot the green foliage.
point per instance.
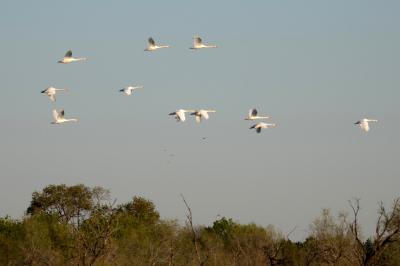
(11, 234)
(141, 209)
(78, 225)
(65, 202)
(224, 228)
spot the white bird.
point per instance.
(253, 115)
(129, 90)
(51, 92)
(180, 114)
(261, 125)
(199, 114)
(59, 117)
(363, 123)
(153, 46)
(198, 44)
(69, 59)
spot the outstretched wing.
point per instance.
(181, 116)
(68, 53)
(151, 41)
(197, 40)
(205, 115)
(52, 97)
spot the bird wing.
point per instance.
(55, 114)
(181, 115)
(364, 126)
(205, 114)
(52, 97)
(68, 53)
(151, 41)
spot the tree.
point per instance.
(141, 209)
(11, 233)
(387, 231)
(68, 203)
(94, 237)
(333, 243)
(224, 228)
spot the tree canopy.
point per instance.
(79, 225)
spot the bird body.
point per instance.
(262, 125)
(69, 59)
(60, 119)
(198, 44)
(129, 90)
(180, 114)
(153, 46)
(253, 115)
(51, 92)
(202, 113)
(364, 123)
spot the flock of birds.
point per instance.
(180, 115)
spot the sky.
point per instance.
(315, 67)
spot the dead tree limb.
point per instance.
(189, 218)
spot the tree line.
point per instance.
(80, 225)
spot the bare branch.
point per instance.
(194, 235)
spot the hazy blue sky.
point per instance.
(315, 66)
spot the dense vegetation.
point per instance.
(78, 225)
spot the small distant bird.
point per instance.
(363, 123)
(152, 45)
(200, 114)
(198, 44)
(129, 90)
(261, 125)
(180, 114)
(253, 115)
(51, 92)
(59, 117)
(69, 59)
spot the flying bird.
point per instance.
(153, 46)
(253, 115)
(60, 119)
(363, 123)
(129, 90)
(261, 125)
(180, 114)
(198, 44)
(51, 92)
(69, 59)
(200, 114)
